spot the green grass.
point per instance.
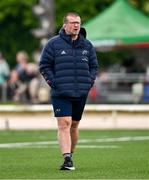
(130, 160)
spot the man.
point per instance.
(69, 65)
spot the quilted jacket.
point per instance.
(69, 67)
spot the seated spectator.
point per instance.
(13, 86)
(28, 77)
(4, 75)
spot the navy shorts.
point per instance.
(69, 107)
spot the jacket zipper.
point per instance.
(75, 70)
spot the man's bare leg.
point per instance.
(64, 138)
(74, 134)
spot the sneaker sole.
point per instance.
(67, 168)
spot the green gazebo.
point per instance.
(119, 25)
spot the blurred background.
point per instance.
(119, 30)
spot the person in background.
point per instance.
(68, 63)
(28, 77)
(4, 75)
(12, 86)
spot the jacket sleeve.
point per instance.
(46, 64)
(93, 64)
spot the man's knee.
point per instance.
(74, 124)
(64, 123)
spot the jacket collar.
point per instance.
(79, 42)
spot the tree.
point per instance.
(142, 5)
(16, 21)
(86, 8)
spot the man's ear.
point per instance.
(64, 26)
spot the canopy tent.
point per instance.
(119, 25)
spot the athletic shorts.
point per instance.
(69, 107)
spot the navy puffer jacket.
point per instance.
(69, 67)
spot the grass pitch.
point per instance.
(100, 154)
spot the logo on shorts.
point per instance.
(57, 110)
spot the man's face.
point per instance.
(72, 26)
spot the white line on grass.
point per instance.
(22, 144)
(45, 143)
(93, 146)
(117, 139)
(78, 146)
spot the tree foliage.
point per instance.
(142, 5)
(86, 8)
(16, 21)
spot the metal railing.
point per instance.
(120, 88)
(114, 88)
